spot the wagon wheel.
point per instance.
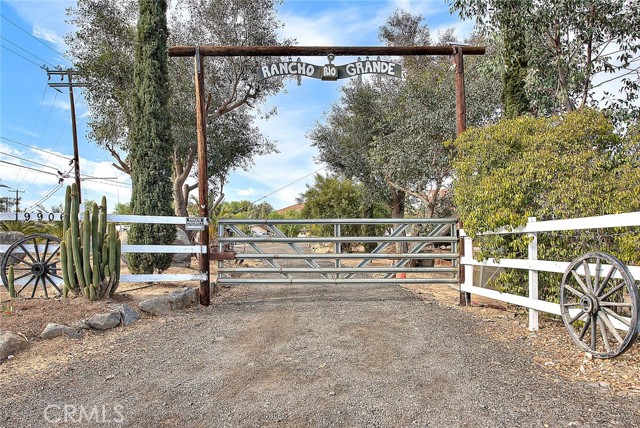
(36, 262)
(599, 304)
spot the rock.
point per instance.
(129, 315)
(10, 344)
(8, 238)
(105, 321)
(54, 330)
(156, 305)
(181, 259)
(183, 299)
(164, 304)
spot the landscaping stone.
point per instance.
(156, 305)
(10, 344)
(105, 321)
(128, 314)
(183, 299)
(54, 330)
(181, 259)
(164, 304)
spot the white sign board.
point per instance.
(194, 223)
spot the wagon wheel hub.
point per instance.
(589, 303)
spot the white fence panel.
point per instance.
(533, 265)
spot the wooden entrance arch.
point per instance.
(456, 51)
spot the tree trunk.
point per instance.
(397, 211)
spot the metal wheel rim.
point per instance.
(593, 305)
(37, 268)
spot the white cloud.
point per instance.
(247, 192)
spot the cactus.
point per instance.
(12, 285)
(67, 210)
(90, 251)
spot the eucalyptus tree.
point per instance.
(571, 53)
(102, 46)
(396, 131)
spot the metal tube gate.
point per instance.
(271, 251)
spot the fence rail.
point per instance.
(126, 248)
(277, 254)
(533, 265)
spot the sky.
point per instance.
(35, 128)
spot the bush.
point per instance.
(573, 165)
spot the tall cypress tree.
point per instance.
(151, 142)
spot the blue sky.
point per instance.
(33, 114)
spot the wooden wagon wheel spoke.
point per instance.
(580, 282)
(27, 252)
(37, 259)
(606, 279)
(607, 322)
(603, 332)
(605, 299)
(574, 291)
(618, 317)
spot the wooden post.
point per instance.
(461, 119)
(461, 105)
(201, 126)
(76, 156)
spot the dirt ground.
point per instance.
(554, 352)
(292, 355)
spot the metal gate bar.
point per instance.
(280, 253)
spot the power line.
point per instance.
(26, 50)
(27, 167)
(20, 55)
(33, 131)
(45, 197)
(33, 37)
(55, 97)
(30, 161)
(35, 148)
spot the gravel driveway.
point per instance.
(330, 355)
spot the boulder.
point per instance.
(10, 344)
(156, 305)
(105, 321)
(175, 301)
(128, 314)
(54, 330)
(181, 259)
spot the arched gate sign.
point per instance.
(326, 73)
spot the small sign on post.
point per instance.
(194, 223)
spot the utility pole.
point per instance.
(17, 201)
(69, 73)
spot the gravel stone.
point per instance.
(54, 330)
(10, 344)
(105, 321)
(361, 355)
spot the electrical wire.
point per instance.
(27, 167)
(34, 37)
(30, 161)
(27, 51)
(55, 97)
(35, 148)
(35, 123)
(45, 198)
(20, 55)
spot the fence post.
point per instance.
(533, 277)
(465, 298)
(337, 232)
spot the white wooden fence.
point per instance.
(172, 249)
(533, 265)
